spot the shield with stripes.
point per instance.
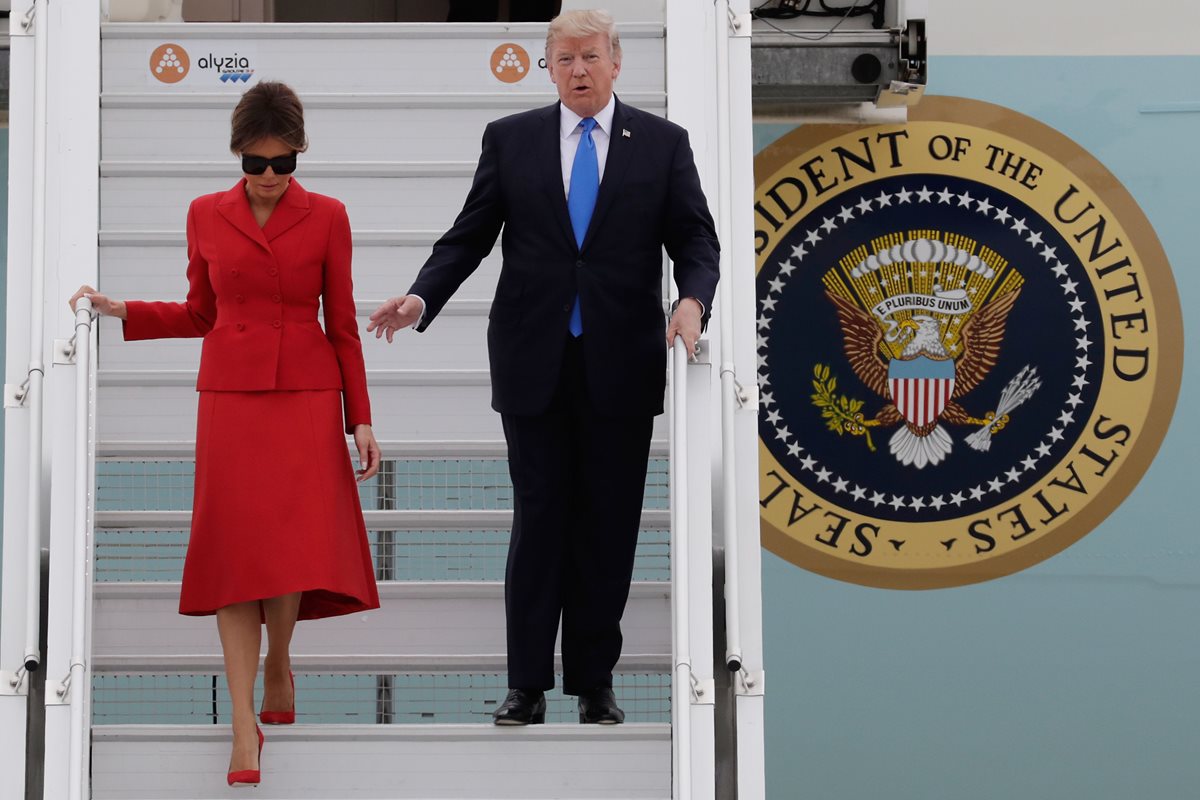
(921, 387)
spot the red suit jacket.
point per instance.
(253, 295)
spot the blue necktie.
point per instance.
(581, 200)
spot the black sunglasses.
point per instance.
(257, 165)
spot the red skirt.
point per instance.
(276, 506)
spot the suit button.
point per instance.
(567, 307)
(276, 324)
(579, 263)
(240, 299)
(233, 272)
(241, 326)
(273, 272)
(275, 298)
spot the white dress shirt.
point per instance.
(571, 134)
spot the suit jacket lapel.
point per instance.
(292, 207)
(549, 154)
(620, 151)
(235, 208)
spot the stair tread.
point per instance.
(453, 732)
(420, 627)
(149, 762)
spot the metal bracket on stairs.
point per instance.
(58, 693)
(739, 24)
(64, 351)
(746, 396)
(750, 684)
(15, 394)
(14, 684)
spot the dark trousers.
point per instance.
(579, 478)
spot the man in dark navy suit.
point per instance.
(588, 192)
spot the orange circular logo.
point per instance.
(169, 63)
(510, 62)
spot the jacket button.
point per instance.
(240, 299)
(273, 272)
(275, 298)
(233, 272)
(579, 263)
(241, 326)
(566, 307)
(276, 324)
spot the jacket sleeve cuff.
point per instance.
(133, 327)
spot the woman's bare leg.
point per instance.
(240, 626)
(281, 615)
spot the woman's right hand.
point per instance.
(101, 303)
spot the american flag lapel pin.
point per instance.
(625, 132)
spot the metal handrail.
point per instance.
(81, 545)
(31, 394)
(730, 391)
(680, 617)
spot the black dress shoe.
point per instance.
(521, 707)
(599, 706)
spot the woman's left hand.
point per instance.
(368, 452)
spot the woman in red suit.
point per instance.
(277, 530)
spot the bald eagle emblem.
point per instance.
(922, 324)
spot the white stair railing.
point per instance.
(30, 392)
(681, 721)
(693, 694)
(74, 688)
(739, 402)
(19, 611)
(732, 394)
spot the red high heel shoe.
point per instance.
(249, 777)
(281, 717)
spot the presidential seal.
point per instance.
(969, 345)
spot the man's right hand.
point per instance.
(395, 314)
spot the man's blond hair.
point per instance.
(581, 24)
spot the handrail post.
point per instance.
(731, 393)
(681, 634)
(31, 658)
(74, 688)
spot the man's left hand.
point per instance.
(685, 322)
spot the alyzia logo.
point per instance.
(229, 69)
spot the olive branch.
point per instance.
(842, 415)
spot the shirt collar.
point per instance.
(569, 120)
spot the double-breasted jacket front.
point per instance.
(254, 294)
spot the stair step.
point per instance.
(347, 698)
(406, 449)
(397, 520)
(427, 626)
(342, 128)
(158, 413)
(408, 484)
(160, 202)
(154, 762)
(128, 555)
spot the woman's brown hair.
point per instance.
(268, 109)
